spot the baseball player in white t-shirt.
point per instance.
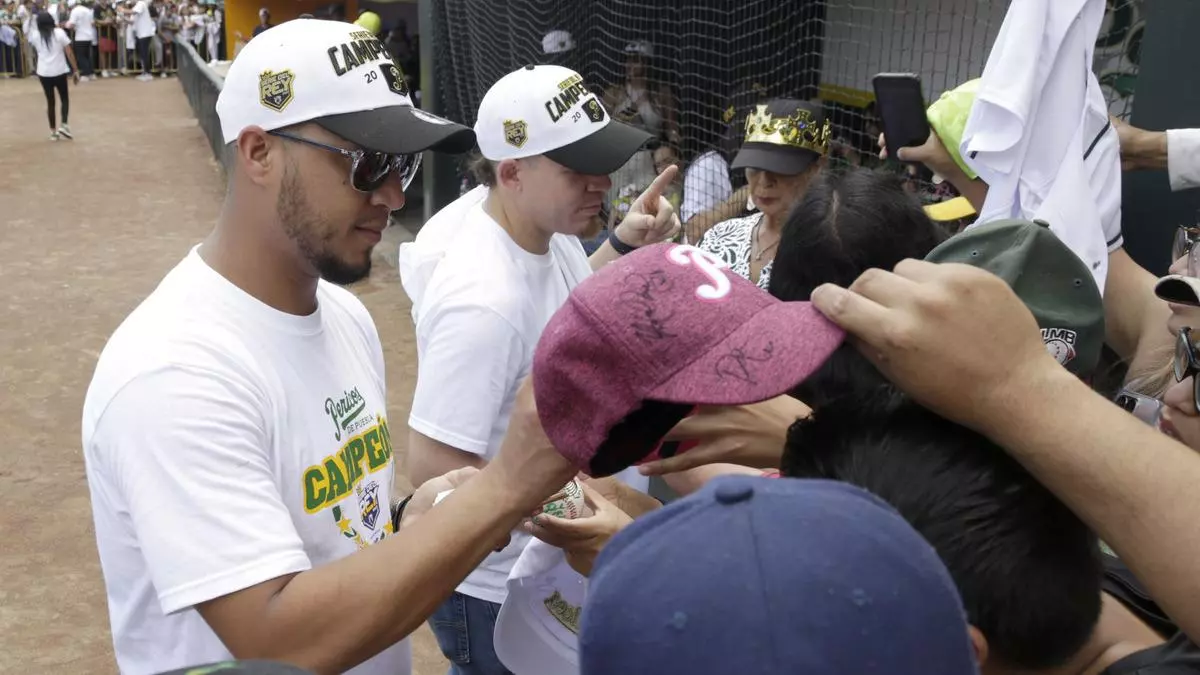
(236, 432)
(485, 280)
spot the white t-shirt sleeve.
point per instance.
(139, 8)
(1183, 158)
(470, 360)
(61, 37)
(705, 185)
(187, 449)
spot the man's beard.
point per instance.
(312, 237)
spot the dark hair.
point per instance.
(844, 225)
(1027, 568)
(45, 26)
(482, 169)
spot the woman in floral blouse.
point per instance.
(786, 144)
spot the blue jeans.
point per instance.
(463, 627)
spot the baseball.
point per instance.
(566, 503)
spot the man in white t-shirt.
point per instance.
(235, 432)
(143, 28)
(82, 21)
(485, 279)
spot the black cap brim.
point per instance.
(778, 159)
(603, 152)
(400, 130)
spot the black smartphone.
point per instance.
(901, 107)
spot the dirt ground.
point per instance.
(87, 229)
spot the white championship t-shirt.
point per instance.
(83, 21)
(227, 444)
(143, 23)
(52, 57)
(478, 316)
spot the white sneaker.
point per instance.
(54, 135)
(163, 76)
(65, 132)
(145, 77)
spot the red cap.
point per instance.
(647, 338)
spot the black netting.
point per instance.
(708, 58)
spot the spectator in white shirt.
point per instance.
(55, 62)
(143, 32)
(83, 22)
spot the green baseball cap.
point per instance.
(1048, 277)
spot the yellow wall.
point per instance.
(242, 15)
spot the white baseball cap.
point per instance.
(1179, 289)
(536, 630)
(548, 110)
(557, 42)
(334, 74)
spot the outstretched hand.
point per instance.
(581, 539)
(903, 320)
(749, 435)
(651, 218)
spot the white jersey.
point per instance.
(226, 444)
(480, 303)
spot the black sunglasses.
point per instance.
(369, 169)
(1184, 241)
(1187, 362)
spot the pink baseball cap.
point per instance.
(647, 338)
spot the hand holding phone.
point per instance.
(901, 107)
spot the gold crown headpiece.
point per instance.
(798, 130)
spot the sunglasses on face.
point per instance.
(369, 169)
(1185, 241)
(1187, 363)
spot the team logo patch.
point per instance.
(394, 78)
(516, 132)
(1060, 342)
(368, 504)
(275, 89)
(593, 110)
(563, 611)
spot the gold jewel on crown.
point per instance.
(798, 130)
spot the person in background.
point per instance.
(664, 155)
(129, 53)
(787, 142)
(264, 22)
(10, 41)
(400, 46)
(82, 21)
(107, 30)
(168, 28)
(212, 33)
(196, 20)
(55, 61)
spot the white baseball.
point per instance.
(567, 503)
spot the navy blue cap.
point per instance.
(764, 576)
